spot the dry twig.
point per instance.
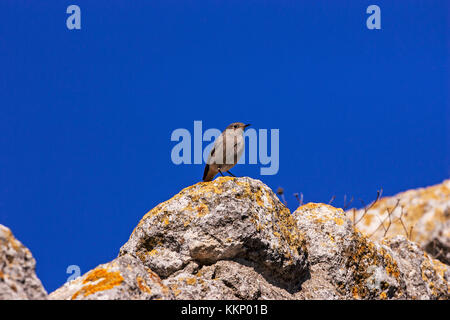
(346, 204)
(280, 192)
(367, 208)
(331, 200)
(300, 200)
(389, 216)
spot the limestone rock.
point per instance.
(124, 278)
(439, 244)
(233, 219)
(18, 280)
(232, 238)
(223, 280)
(426, 210)
(345, 264)
(424, 277)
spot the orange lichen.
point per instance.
(186, 222)
(154, 277)
(355, 293)
(339, 221)
(191, 281)
(142, 285)
(319, 220)
(175, 289)
(202, 210)
(11, 240)
(362, 254)
(104, 280)
(433, 272)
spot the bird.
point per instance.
(227, 150)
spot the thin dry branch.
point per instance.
(410, 232)
(347, 204)
(403, 224)
(381, 223)
(280, 192)
(390, 221)
(300, 200)
(367, 208)
(331, 200)
(389, 216)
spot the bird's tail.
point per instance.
(209, 173)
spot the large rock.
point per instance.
(232, 238)
(424, 277)
(226, 239)
(124, 278)
(345, 264)
(425, 210)
(18, 280)
(233, 224)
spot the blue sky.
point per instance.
(86, 115)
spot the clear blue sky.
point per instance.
(86, 115)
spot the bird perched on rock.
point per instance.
(226, 151)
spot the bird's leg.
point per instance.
(231, 173)
(221, 173)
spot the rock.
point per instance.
(239, 220)
(439, 244)
(345, 264)
(232, 238)
(18, 280)
(424, 277)
(223, 280)
(425, 210)
(124, 278)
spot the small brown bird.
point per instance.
(226, 151)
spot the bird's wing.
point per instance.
(218, 145)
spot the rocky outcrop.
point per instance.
(345, 264)
(238, 220)
(422, 215)
(18, 280)
(232, 238)
(226, 239)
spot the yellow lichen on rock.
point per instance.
(142, 285)
(99, 280)
(190, 281)
(202, 210)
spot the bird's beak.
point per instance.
(247, 125)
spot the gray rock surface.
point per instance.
(228, 219)
(18, 280)
(124, 278)
(232, 238)
(425, 277)
(345, 264)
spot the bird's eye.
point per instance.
(235, 126)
